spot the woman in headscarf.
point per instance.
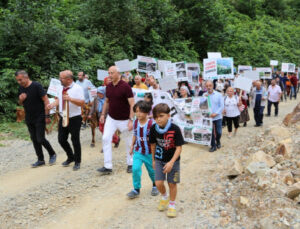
(96, 110)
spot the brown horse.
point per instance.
(20, 113)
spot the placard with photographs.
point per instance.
(288, 67)
(146, 64)
(264, 73)
(220, 68)
(193, 72)
(181, 71)
(192, 115)
(244, 68)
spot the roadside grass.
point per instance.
(13, 130)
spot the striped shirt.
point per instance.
(141, 133)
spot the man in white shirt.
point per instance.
(74, 94)
(86, 85)
(274, 95)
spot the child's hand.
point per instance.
(131, 151)
(168, 167)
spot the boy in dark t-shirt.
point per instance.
(166, 144)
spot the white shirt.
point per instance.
(85, 84)
(274, 93)
(231, 106)
(75, 92)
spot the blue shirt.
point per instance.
(85, 84)
(217, 104)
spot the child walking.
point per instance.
(141, 148)
(166, 144)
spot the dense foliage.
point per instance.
(47, 36)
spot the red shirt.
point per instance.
(293, 80)
(118, 96)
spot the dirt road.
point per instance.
(57, 197)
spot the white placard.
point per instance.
(54, 87)
(252, 75)
(288, 67)
(193, 71)
(181, 71)
(146, 64)
(265, 73)
(221, 68)
(161, 64)
(214, 55)
(53, 110)
(244, 68)
(123, 65)
(101, 74)
(133, 64)
(243, 83)
(170, 70)
(273, 62)
(92, 94)
(156, 74)
(167, 83)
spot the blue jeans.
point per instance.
(217, 133)
(138, 160)
(293, 92)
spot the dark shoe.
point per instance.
(67, 163)
(245, 124)
(267, 115)
(38, 164)
(52, 160)
(117, 144)
(129, 169)
(133, 194)
(212, 149)
(83, 126)
(256, 125)
(219, 145)
(104, 171)
(76, 166)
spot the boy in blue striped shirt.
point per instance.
(141, 148)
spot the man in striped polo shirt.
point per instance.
(140, 148)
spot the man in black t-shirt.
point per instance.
(34, 99)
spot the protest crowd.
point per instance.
(155, 107)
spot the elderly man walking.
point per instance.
(259, 97)
(217, 107)
(118, 112)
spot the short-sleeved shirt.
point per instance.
(33, 104)
(274, 93)
(75, 92)
(118, 95)
(166, 143)
(141, 86)
(231, 106)
(142, 132)
(85, 84)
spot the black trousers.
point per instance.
(63, 133)
(37, 135)
(270, 106)
(258, 115)
(235, 121)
